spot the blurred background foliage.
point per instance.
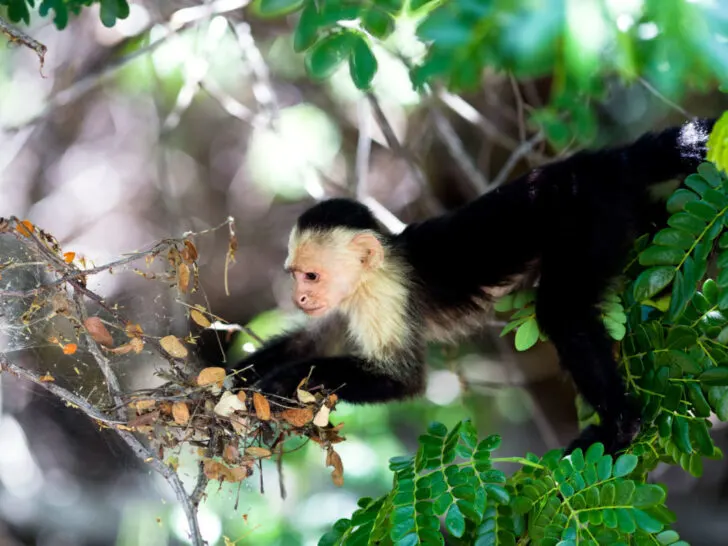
(151, 118)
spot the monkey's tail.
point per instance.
(670, 153)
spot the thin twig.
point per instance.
(262, 86)
(18, 36)
(514, 158)
(519, 108)
(363, 149)
(664, 99)
(457, 151)
(401, 151)
(470, 114)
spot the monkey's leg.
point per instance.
(567, 312)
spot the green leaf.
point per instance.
(527, 335)
(455, 521)
(646, 522)
(604, 468)
(325, 57)
(307, 29)
(594, 452)
(679, 199)
(686, 222)
(661, 255)
(111, 10)
(378, 23)
(497, 493)
(673, 357)
(697, 183)
(647, 495)
(681, 434)
(624, 464)
(714, 376)
(708, 171)
(701, 209)
(718, 397)
(695, 396)
(701, 434)
(681, 337)
(671, 237)
(276, 8)
(362, 64)
(61, 12)
(651, 281)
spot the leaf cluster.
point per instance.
(450, 490)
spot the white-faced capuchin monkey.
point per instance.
(376, 299)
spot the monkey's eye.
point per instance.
(312, 276)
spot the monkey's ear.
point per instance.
(369, 248)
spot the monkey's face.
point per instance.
(322, 278)
(327, 272)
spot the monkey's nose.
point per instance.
(302, 299)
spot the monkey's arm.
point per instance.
(355, 380)
(286, 359)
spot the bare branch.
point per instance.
(524, 149)
(60, 392)
(401, 151)
(16, 35)
(262, 86)
(363, 149)
(470, 114)
(457, 151)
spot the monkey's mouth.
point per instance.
(314, 311)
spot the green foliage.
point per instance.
(528, 333)
(582, 46)
(585, 498)
(109, 12)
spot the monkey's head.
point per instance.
(332, 250)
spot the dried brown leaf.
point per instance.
(231, 453)
(47, 378)
(305, 396)
(199, 318)
(97, 330)
(133, 330)
(262, 407)
(173, 346)
(70, 348)
(228, 404)
(183, 277)
(337, 474)
(189, 252)
(142, 405)
(298, 416)
(25, 228)
(242, 396)
(68, 257)
(181, 413)
(255, 451)
(215, 470)
(212, 375)
(144, 420)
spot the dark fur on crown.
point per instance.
(337, 212)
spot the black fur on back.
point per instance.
(337, 212)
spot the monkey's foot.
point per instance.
(615, 438)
